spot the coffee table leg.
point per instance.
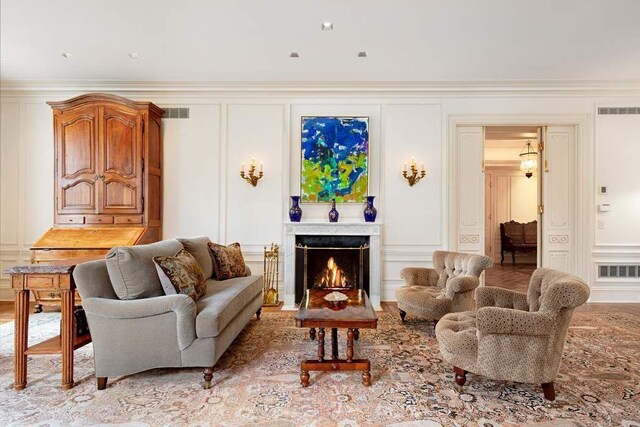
(366, 378)
(350, 336)
(334, 343)
(321, 344)
(312, 333)
(304, 378)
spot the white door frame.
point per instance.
(584, 214)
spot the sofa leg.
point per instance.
(549, 391)
(513, 258)
(258, 313)
(101, 382)
(403, 314)
(501, 257)
(461, 378)
(208, 376)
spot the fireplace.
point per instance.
(323, 234)
(337, 262)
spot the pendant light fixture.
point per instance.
(529, 162)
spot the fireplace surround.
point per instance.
(360, 238)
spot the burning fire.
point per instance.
(333, 276)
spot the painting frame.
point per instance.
(357, 161)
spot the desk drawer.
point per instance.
(99, 219)
(129, 219)
(42, 281)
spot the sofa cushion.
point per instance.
(181, 274)
(531, 233)
(198, 247)
(515, 231)
(224, 300)
(132, 271)
(227, 261)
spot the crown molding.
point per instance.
(366, 89)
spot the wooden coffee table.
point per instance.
(354, 314)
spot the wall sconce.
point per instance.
(251, 177)
(413, 175)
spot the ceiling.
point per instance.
(250, 40)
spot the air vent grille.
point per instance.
(618, 110)
(619, 271)
(176, 113)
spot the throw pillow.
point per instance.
(228, 261)
(181, 274)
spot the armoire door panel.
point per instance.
(78, 147)
(79, 196)
(121, 145)
(76, 160)
(121, 162)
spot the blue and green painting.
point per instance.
(334, 159)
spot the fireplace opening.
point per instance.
(337, 262)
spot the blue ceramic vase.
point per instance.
(333, 213)
(370, 212)
(295, 212)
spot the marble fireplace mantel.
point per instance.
(371, 229)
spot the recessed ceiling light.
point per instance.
(66, 55)
(327, 26)
(294, 55)
(134, 55)
(362, 54)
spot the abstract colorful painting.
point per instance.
(335, 159)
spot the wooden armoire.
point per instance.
(108, 177)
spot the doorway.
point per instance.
(561, 247)
(511, 199)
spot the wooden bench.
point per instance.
(518, 237)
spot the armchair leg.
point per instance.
(101, 382)
(461, 378)
(549, 391)
(403, 314)
(258, 313)
(513, 258)
(208, 376)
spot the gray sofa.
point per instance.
(152, 330)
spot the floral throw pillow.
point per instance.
(228, 261)
(181, 274)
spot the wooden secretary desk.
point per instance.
(108, 180)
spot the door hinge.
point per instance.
(540, 209)
(541, 146)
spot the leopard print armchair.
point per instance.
(430, 293)
(513, 336)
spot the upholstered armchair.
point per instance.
(513, 336)
(430, 293)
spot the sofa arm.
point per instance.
(182, 305)
(462, 284)
(498, 320)
(490, 296)
(419, 276)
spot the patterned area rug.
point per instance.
(257, 383)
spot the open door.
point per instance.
(556, 218)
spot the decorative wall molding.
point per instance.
(556, 239)
(191, 89)
(469, 239)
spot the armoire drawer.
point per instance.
(70, 219)
(99, 219)
(129, 219)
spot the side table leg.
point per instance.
(321, 344)
(67, 333)
(21, 339)
(350, 336)
(334, 343)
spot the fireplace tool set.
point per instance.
(271, 276)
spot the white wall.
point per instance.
(203, 193)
